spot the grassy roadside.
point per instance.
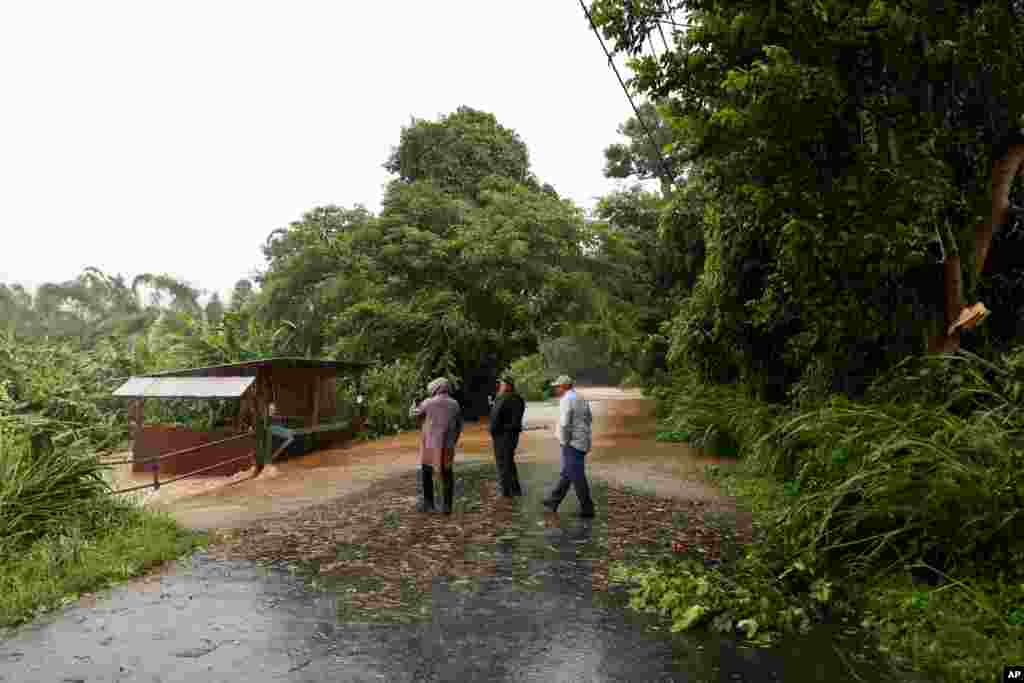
(103, 542)
(62, 533)
(900, 513)
(965, 628)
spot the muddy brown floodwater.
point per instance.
(323, 572)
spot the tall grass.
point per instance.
(926, 472)
(889, 484)
(61, 532)
(107, 540)
(933, 461)
(723, 419)
(39, 491)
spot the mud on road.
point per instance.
(324, 572)
(625, 452)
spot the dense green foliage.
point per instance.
(740, 603)
(834, 142)
(61, 533)
(816, 160)
(103, 541)
(53, 388)
(471, 264)
(532, 377)
(887, 482)
(40, 489)
(823, 159)
(876, 499)
(459, 152)
(62, 352)
(647, 154)
(587, 360)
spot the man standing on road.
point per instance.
(442, 426)
(574, 436)
(506, 423)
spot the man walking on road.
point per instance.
(574, 436)
(506, 423)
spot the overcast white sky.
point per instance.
(140, 136)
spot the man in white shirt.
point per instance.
(574, 436)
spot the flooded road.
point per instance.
(624, 451)
(533, 615)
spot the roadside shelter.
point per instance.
(292, 399)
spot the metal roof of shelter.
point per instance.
(249, 368)
(184, 387)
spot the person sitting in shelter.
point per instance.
(442, 426)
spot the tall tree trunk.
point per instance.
(1004, 170)
(958, 316)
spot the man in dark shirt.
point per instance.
(505, 425)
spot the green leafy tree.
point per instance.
(16, 308)
(459, 151)
(647, 153)
(302, 283)
(95, 305)
(470, 262)
(186, 340)
(241, 294)
(836, 142)
(214, 309)
(168, 292)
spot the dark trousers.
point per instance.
(505, 444)
(573, 475)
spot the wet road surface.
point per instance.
(215, 620)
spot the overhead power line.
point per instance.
(660, 30)
(611, 62)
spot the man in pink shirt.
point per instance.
(442, 426)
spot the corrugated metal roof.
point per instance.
(250, 367)
(184, 387)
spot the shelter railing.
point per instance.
(192, 449)
(183, 451)
(290, 435)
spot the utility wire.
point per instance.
(611, 63)
(650, 43)
(660, 30)
(673, 22)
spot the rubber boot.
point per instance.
(552, 502)
(448, 479)
(583, 494)
(517, 489)
(500, 468)
(426, 503)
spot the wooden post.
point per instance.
(317, 387)
(262, 404)
(135, 415)
(262, 396)
(244, 416)
(155, 465)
